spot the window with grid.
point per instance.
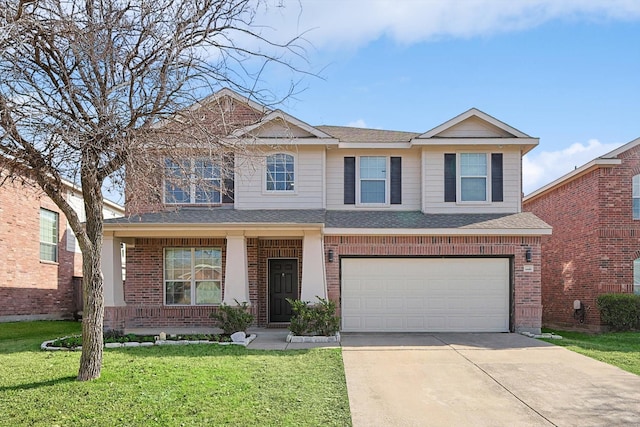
(473, 177)
(373, 179)
(48, 235)
(280, 172)
(193, 276)
(196, 181)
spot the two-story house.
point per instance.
(595, 247)
(405, 231)
(41, 270)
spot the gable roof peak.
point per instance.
(479, 114)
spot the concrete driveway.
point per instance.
(482, 380)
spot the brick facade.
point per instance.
(526, 304)
(30, 288)
(144, 293)
(144, 286)
(594, 243)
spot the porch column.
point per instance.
(236, 278)
(314, 282)
(112, 272)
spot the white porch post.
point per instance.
(236, 278)
(314, 282)
(112, 272)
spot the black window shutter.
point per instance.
(496, 177)
(449, 177)
(396, 180)
(228, 168)
(349, 180)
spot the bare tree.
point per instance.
(83, 84)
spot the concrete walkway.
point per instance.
(482, 380)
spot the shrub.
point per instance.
(314, 319)
(620, 311)
(233, 318)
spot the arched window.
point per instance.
(280, 172)
(636, 197)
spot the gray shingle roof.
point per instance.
(225, 216)
(350, 134)
(336, 219)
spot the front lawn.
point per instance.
(193, 385)
(621, 349)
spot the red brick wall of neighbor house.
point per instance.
(526, 298)
(144, 286)
(594, 242)
(29, 287)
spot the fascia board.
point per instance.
(437, 231)
(574, 174)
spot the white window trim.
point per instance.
(387, 184)
(487, 200)
(295, 176)
(632, 197)
(193, 184)
(193, 281)
(55, 245)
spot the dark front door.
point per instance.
(283, 283)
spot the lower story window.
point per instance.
(192, 276)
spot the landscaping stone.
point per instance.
(315, 338)
(238, 337)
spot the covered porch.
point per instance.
(258, 263)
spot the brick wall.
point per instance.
(30, 288)
(526, 292)
(594, 242)
(144, 286)
(274, 248)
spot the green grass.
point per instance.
(197, 385)
(621, 349)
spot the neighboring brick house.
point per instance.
(405, 231)
(41, 271)
(595, 247)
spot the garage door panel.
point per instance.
(425, 294)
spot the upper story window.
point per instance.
(373, 179)
(192, 276)
(636, 197)
(470, 177)
(473, 177)
(48, 235)
(280, 172)
(194, 181)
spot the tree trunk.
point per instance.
(92, 317)
(93, 281)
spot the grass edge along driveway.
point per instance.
(167, 385)
(621, 349)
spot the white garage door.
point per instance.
(425, 294)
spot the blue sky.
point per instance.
(566, 71)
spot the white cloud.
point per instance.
(541, 168)
(360, 123)
(353, 23)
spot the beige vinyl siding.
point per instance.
(433, 164)
(474, 127)
(249, 186)
(411, 178)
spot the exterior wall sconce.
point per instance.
(527, 255)
(330, 255)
